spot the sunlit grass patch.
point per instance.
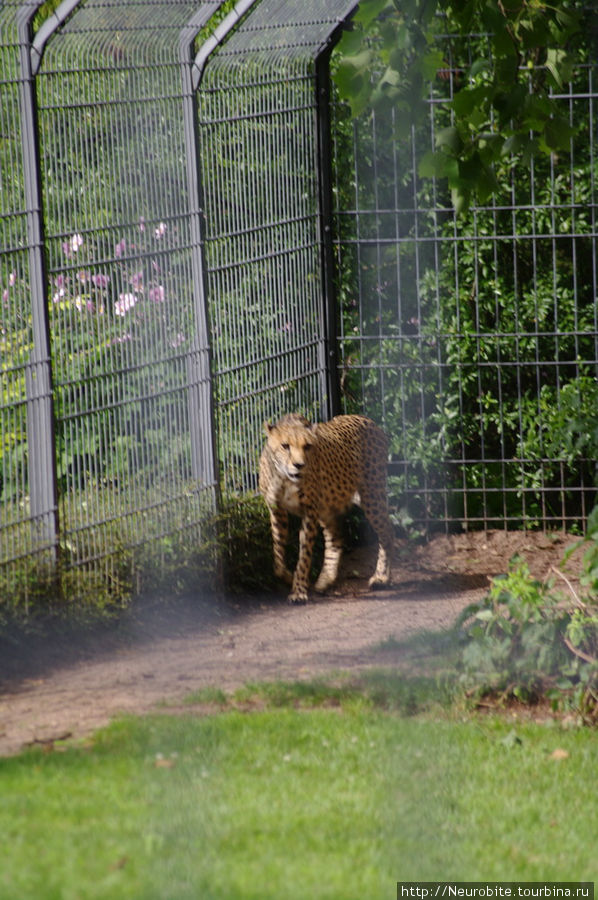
(307, 802)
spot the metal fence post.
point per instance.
(331, 405)
(204, 456)
(43, 489)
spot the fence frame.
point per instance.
(325, 202)
(43, 485)
(204, 460)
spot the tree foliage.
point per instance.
(502, 93)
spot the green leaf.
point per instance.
(558, 133)
(537, 109)
(461, 199)
(502, 43)
(369, 10)
(491, 142)
(556, 65)
(480, 65)
(397, 39)
(356, 64)
(485, 615)
(515, 144)
(350, 43)
(469, 99)
(507, 70)
(569, 22)
(432, 165)
(430, 63)
(391, 76)
(509, 103)
(353, 82)
(449, 138)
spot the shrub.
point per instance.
(526, 638)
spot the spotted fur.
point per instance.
(317, 472)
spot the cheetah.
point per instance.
(317, 471)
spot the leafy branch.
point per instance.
(500, 91)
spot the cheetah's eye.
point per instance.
(285, 446)
(308, 447)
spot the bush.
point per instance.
(527, 639)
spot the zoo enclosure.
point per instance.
(189, 248)
(473, 338)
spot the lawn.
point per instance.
(332, 798)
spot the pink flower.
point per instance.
(136, 281)
(160, 231)
(121, 339)
(71, 246)
(61, 284)
(120, 248)
(100, 281)
(82, 303)
(141, 224)
(12, 280)
(156, 294)
(60, 294)
(124, 303)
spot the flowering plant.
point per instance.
(118, 359)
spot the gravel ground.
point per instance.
(60, 681)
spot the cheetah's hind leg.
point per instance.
(375, 508)
(381, 577)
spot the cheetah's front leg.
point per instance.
(307, 535)
(279, 521)
(333, 548)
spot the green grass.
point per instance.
(307, 796)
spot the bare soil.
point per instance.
(65, 681)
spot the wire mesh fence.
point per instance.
(119, 266)
(170, 280)
(473, 338)
(260, 125)
(117, 285)
(174, 245)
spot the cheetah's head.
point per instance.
(290, 441)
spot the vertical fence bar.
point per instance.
(43, 489)
(331, 401)
(204, 458)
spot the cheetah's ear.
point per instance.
(268, 428)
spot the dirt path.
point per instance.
(58, 684)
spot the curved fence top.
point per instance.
(133, 30)
(275, 30)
